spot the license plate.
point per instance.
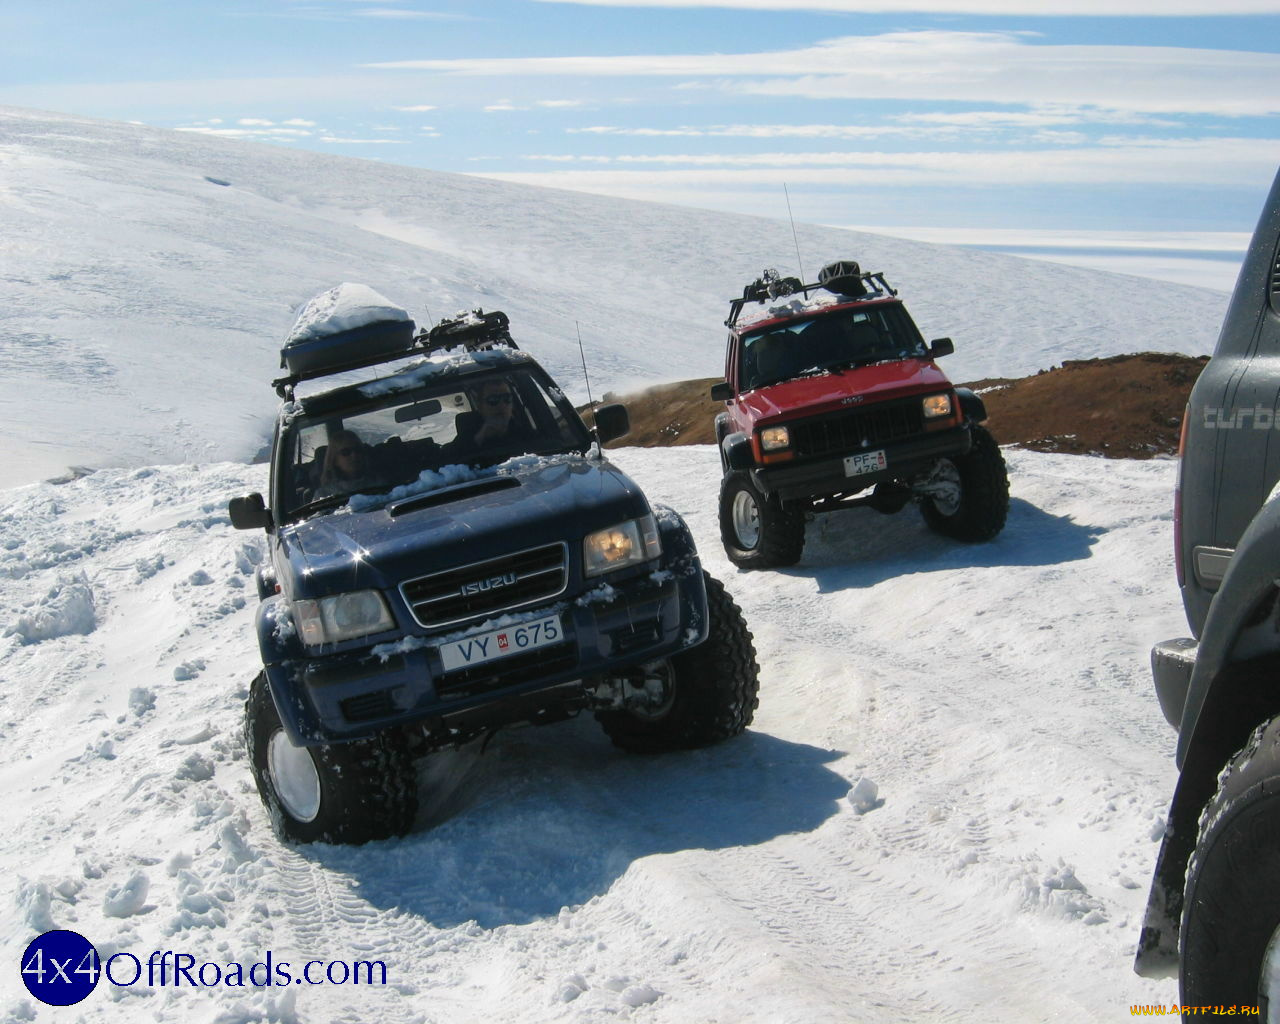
(501, 643)
(865, 462)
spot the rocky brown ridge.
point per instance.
(1127, 406)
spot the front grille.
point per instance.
(511, 581)
(860, 428)
(518, 668)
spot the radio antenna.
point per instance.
(585, 376)
(799, 261)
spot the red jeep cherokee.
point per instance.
(832, 399)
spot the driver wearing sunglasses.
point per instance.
(496, 405)
(493, 423)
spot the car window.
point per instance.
(373, 448)
(848, 338)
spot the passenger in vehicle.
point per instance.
(348, 467)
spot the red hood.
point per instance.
(810, 396)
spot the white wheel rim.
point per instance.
(1269, 982)
(293, 777)
(944, 488)
(746, 519)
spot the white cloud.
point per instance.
(613, 130)
(265, 134)
(255, 122)
(1200, 162)
(1024, 8)
(908, 126)
(1041, 117)
(501, 105)
(974, 67)
(299, 122)
(558, 103)
(363, 142)
(420, 108)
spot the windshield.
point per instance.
(850, 337)
(373, 447)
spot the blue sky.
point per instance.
(1108, 128)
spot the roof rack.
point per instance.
(475, 331)
(844, 277)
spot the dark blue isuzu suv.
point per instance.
(450, 552)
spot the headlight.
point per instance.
(937, 405)
(774, 439)
(343, 617)
(630, 543)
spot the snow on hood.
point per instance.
(428, 480)
(447, 476)
(342, 308)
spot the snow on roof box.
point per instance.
(348, 324)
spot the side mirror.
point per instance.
(612, 422)
(721, 392)
(940, 347)
(249, 513)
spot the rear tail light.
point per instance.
(1177, 501)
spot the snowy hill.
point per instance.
(996, 872)
(149, 276)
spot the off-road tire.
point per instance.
(984, 493)
(779, 537)
(716, 687)
(1231, 909)
(368, 788)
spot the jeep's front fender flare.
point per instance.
(973, 407)
(737, 453)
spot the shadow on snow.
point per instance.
(860, 547)
(550, 817)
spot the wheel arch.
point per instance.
(1233, 689)
(973, 407)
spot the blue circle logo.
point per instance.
(60, 968)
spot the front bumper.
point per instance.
(652, 614)
(825, 477)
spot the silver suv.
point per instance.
(1214, 909)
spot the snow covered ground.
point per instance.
(947, 807)
(149, 277)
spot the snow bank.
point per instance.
(66, 610)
